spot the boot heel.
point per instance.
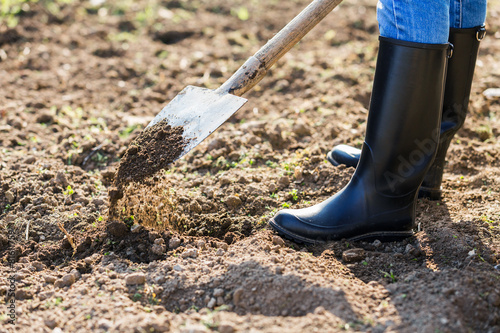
(430, 193)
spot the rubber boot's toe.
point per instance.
(287, 224)
(344, 154)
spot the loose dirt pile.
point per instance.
(188, 248)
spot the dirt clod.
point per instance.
(117, 228)
(135, 278)
(353, 255)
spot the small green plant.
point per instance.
(389, 275)
(136, 297)
(271, 164)
(7, 207)
(125, 133)
(285, 205)
(129, 221)
(273, 195)
(294, 194)
(69, 191)
(100, 218)
(241, 13)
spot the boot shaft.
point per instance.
(403, 124)
(459, 76)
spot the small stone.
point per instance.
(301, 129)
(494, 299)
(195, 207)
(376, 243)
(135, 278)
(353, 255)
(226, 328)
(45, 295)
(50, 323)
(233, 202)
(61, 179)
(218, 292)
(211, 304)
(76, 274)
(220, 252)
(10, 197)
(283, 182)
(201, 244)
(159, 247)
(45, 118)
(277, 240)
(30, 160)
(190, 253)
(492, 93)
(178, 268)
(237, 295)
(68, 279)
(225, 181)
(50, 279)
(222, 245)
(279, 270)
(412, 250)
(174, 243)
(272, 188)
(23, 294)
(220, 301)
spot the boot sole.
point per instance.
(383, 236)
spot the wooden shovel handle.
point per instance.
(256, 67)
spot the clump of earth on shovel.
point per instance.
(153, 150)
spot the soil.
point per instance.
(188, 249)
(153, 150)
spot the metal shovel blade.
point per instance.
(200, 112)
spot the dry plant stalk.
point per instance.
(70, 238)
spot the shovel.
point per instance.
(201, 111)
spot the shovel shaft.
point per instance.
(256, 67)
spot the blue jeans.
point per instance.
(428, 21)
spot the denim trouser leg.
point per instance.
(427, 21)
(467, 13)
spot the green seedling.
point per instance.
(241, 13)
(69, 191)
(294, 195)
(390, 275)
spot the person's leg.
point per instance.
(424, 21)
(466, 31)
(467, 13)
(402, 134)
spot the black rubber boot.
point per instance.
(401, 140)
(456, 99)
